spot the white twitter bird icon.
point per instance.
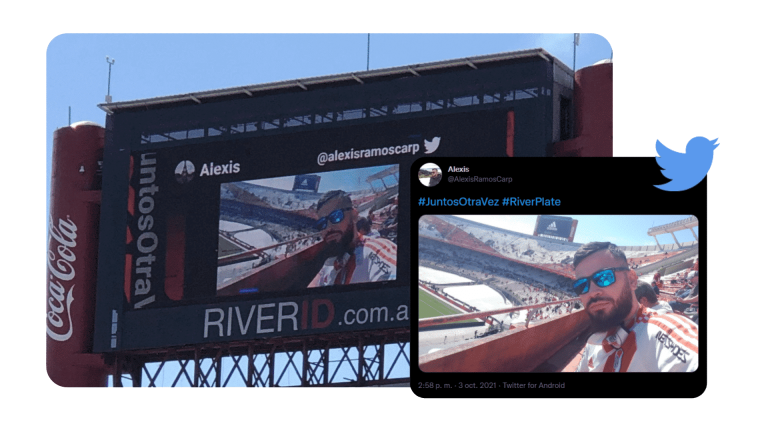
(431, 146)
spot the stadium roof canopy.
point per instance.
(682, 224)
(348, 79)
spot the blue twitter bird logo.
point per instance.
(687, 169)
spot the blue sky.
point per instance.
(152, 65)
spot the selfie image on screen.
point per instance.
(308, 231)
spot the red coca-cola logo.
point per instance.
(61, 256)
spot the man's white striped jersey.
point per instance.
(656, 342)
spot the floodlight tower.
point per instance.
(108, 98)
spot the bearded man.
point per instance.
(628, 336)
(350, 257)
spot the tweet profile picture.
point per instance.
(430, 174)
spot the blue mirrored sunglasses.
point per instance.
(601, 278)
(334, 217)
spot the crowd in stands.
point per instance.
(678, 289)
(649, 258)
(528, 286)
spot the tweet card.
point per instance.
(531, 275)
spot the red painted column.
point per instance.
(72, 255)
(593, 103)
(511, 134)
(594, 109)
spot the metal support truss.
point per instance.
(357, 359)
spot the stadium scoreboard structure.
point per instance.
(216, 241)
(557, 227)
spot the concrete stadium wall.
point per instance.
(669, 262)
(454, 326)
(677, 267)
(517, 350)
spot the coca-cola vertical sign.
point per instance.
(72, 256)
(62, 242)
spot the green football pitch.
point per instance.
(429, 307)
